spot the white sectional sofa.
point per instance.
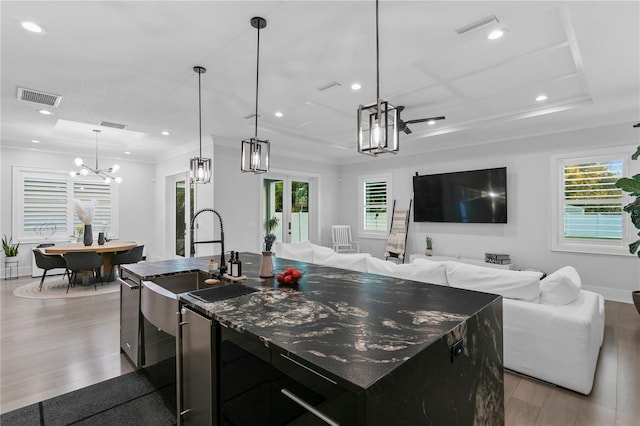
(552, 329)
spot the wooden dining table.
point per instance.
(107, 250)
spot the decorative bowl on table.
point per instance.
(289, 276)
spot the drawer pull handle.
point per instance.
(307, 368)
(328, 420)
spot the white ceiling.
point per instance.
(132, 63)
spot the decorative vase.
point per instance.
(636, 299)
(101, 238)
(88, 235)
(266, 267)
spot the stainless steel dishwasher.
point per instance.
(130, 338)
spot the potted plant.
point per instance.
(270, 238)
(266, 267)
(632, 186)
(10, 249)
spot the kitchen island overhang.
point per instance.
(408, 351)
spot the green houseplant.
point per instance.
(10, 249)
(632, 186)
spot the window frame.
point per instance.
(586, 245)
(362, 181)
(19, 173)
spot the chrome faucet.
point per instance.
(223, 266)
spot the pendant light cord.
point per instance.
(377, 58)
(96, 132)
(257, 82)
(200, 112)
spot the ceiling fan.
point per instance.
(402, 125)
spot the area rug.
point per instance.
(56, 288)
(132, 399)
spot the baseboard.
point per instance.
(611, 293)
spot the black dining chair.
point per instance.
(133, 255)
(48, 262)
(84, 261)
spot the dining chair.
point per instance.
(341, 239)
(133, 255)
(48, 262)
(83, 261)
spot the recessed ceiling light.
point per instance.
(35, 141)
(541, 98)
(279, 114)
(45, 112)
(356, 86)
(32, 26)
(431, 122)
(165, 133)
(127, 152)
(495, 34)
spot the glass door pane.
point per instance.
(299, 211)
(273, 195)
(182, 199)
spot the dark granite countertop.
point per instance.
(149, 270)
(355, 326)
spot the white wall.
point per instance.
(527, 235)
(236, 196)
(135, 197)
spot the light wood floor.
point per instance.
(50, 347)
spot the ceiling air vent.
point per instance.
(38, 97)
(477, 24)
(113, 125)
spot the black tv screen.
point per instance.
(474, 196)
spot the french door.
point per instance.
(183, 202)
(291, 202)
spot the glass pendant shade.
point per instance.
(200, 170)
(255, 156)
(378, 128)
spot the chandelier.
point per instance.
(107, 175)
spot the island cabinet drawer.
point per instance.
(304, 395)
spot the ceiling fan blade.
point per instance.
(422, 120)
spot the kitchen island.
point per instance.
(340, 347)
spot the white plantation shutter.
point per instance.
(375, 206)
(374, 195)
(45, 201)
(592, 205)
(43, 197)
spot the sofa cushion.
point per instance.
(423, 270)
(561, 287)
(521, 285)
(295, 251)
(381, 267)
(320, 253)
(352, 262)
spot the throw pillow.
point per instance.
(561, 287)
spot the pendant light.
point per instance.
(378, 123)
(255, 152)
(107, 175)
(200, 169)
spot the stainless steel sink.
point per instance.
(159, 300)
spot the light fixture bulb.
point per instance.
(78, 162)
(115, 168)
(84, 172)
(200, 172)
(165, 133)
(356, 86)
(279, 114)
(107, 180)
(541, 98)
(376, 133)
(118, 179)
(73, 174)
(495, 34)
(32, 27)
(431, 122)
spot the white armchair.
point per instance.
(341, 239)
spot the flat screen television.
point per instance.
(474, 196)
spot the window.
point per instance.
(374, 196)
(588, 212)
(42, 207)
